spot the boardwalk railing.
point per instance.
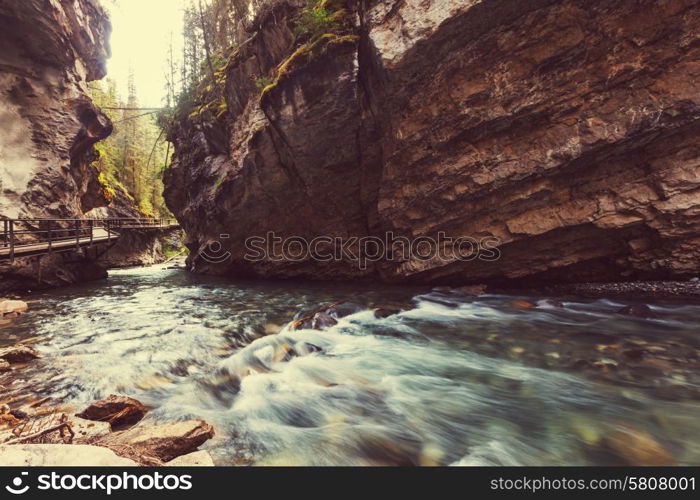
(28, 237)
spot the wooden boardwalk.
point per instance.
(31, 237)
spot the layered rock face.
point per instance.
(49, 50)
(135, 247)
(567, 130)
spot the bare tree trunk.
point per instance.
(207, 48)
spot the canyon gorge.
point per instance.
(561, 134)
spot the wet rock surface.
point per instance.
(18, 354)
(119, 411)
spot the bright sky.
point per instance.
(141, 31)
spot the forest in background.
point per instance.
(135, 156)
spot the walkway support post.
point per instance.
(12, 241)
(50, 239)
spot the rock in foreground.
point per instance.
(165, 441)
(61, 455)
(120, 411)
(18, 354)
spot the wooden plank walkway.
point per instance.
(31, 237)
(100, 235)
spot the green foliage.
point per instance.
(132, 158)
(263, 81)
(315, 21)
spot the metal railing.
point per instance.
(28, 237)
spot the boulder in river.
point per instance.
(12, 308)
(164, 441)
(120, 411)
(636, 447)
(322, 321)
(18, 354)
(61, 455)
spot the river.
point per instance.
(453, 380)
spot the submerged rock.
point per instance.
(523, 304)
(61, 455)
(639, 311)
(636, 447)
(120, 411)
(470, 290)
(18, 354)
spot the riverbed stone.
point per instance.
(120, 411)
(639, 311)
(61, 455)
(165, 441)
(470, 290)
(636, 447)
(18, 354)
(322, 321)
(523, 304)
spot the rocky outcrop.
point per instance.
(568, 130)
(49, 50)
(134, 248)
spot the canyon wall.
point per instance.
(49, 50)
(568, 131)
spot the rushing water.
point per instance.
(454, 380)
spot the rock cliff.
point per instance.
(567, 130)
(49, 50)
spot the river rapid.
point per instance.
(451, 380)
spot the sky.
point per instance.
(141, 31)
